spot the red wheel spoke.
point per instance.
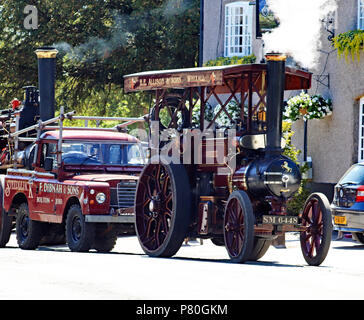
(314, 210)
(157, 179)
(157, 233)
(312, 246)
(317, 242)
(146, 201)
(165, 186)
(234, 244)
(241, 234)
(148, 226)
(168, 199)
(164, 223)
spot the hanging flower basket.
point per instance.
(306, 107)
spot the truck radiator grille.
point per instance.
(123, 195)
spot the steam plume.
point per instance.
(122, 31)
(300, 29)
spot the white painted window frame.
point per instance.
(240, 31)
(361, 131)
(361, 14)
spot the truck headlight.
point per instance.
(100, 198)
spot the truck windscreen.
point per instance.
(101, 153)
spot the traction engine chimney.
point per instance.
(275, 95)
(47, 78)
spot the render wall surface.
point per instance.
(333, 142)
(214, 22)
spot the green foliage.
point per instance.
(225, 61)
(295, 205)
(350, 43)
(98, 42)
(290, 150)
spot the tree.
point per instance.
(99, 41)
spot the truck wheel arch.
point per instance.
(18, 199)
(70, 202)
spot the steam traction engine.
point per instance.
(236, 185)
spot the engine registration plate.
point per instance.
(340, 220)
(280, 220)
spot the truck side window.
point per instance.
(49, 150)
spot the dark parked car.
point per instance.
(348, 203)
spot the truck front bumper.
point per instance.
(110, 219)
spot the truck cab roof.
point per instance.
(90, 135)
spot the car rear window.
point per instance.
(355, 175)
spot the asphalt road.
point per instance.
(196, 272)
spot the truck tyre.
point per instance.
(218, 242)
(6, 224)
(106, 243)
(105, 237)
(28, 232)
(79, 234)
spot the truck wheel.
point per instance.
(239, 227)
(105, 238)
(79, 234)
(162, 209)
(260, 248)
(218, 242)
(316, 217)
(105, 244)
(6, 224)
(28, 232)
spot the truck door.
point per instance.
(45, 186)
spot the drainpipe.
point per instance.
(200, 58)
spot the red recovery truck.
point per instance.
(77, 182)
(65, 184)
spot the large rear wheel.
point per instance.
(162, 209)
(239, 227)
(316, 217)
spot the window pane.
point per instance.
(238, 27)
